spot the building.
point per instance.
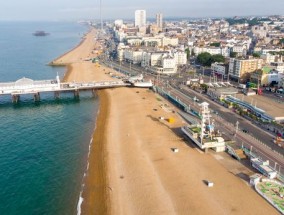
(168, 65)
(212, 50)
(240, 50)
(180, 58)
(264, 77)
(169, 41)
(260, 31)
(240, 68)
(220, 68)
(159, 20)
(140, 18)
(279, 66)
(133, 56)
(219, 93)
(269, 58)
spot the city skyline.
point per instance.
(89, 9)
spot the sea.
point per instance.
(43, 145)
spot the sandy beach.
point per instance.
(132, 167)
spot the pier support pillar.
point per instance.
(76, 94)
(37, 97)
(15, 99)
(94, 93)
(56, 94)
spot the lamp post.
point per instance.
(237, 126)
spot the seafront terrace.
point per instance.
(28, 86)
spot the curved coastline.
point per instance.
(59, 62)
(93, 196)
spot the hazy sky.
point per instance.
(115, 9)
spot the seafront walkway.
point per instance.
(26, 86)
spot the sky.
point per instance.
(64, 10)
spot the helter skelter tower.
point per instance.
(205, 121)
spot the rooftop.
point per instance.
(269, 105)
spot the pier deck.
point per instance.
(26, 86)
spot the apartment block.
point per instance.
(240, 68)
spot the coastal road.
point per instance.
(225, 120)
(261, 149)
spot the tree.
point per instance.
(256, 55)
(215, 44)
(233, 54)
(217, 58)
(187, 51)
(204, 58)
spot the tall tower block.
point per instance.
(159, 20)
(140, 18)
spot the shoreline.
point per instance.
(54, 62)
(93, 197)
(94, 194)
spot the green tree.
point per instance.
(187, 51)
(282, 41)
(215, 44)
(217, 58)
(253, 22)
(256, 55)
(204, 59)
(233, 54)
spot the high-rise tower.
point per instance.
(159, 20)
(140, 18)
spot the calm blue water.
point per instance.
(43, 147)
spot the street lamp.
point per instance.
(237, 126)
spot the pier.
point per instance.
(25, 86)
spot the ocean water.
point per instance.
(43, 146)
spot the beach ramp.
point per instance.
(235, 151)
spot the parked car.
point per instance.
(245, 131)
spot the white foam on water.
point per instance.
(79, 204)
(81, 199)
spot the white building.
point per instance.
(152, 41)
(159, 20)
(240, 50)
(133, 56)
(219, 68)
(140, 18)
(168, 65)
(118, 22)
(172, 41)
(265, 51)
(269, 58)
(212, 50)
(159, 62)
(180, 58)
(120, 51)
